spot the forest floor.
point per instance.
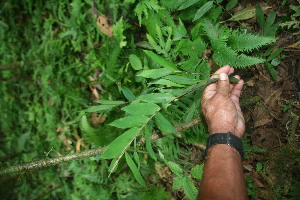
(272, 111)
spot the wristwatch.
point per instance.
(225, 138)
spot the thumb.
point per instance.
(223, 85)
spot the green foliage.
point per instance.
(204, 9)
(149, 79)
(134, 170)
(141, 108)
(197, 171)
(117, 147)
(268, 27)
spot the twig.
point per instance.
(35, 165)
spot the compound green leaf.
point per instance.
(153, 43)
(178, 183)
(161, 61)
(141, 108)
(197, 171)
(110, 102)
(135, 62)
(187, 4)
(175, 168)
(99, 108)
(179, 31)
(155, 73)
(204, 9)
(189, 189)
(127, 93)
(130, 121)
(134, 169)
(167, 83)
(181, 80)
(119, 144)
(156, 97)
(137, 159)
(148, 142)
(163, 124)
(113, 165)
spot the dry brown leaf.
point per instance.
(78, 144)
(66, 141)
(266, 138)
(248, 167)
(96, 121)
(102, 22)
(261, 116)
(273, 101)
(59, 154)
(250, 83)
(257, 183)
(295, 45)
(60, 129)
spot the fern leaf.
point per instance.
(248, 42)
(189, 188)
(171, 5)
(139, 10)
(165, 16)
(143, 7)
(224, 55)
(155, 46)
(192, 48)
(118, 29)
(160, 37)
(175, 168)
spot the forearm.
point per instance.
(223, 175)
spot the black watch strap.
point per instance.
(225, 138)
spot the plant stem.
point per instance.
(36, 165)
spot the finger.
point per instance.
(232, 85)
(236, 91)
(225, 69)
(223, 86)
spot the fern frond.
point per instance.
(172, 5)
(224, 55)
(192, 48)
(143, 7)
(165, 16)
(248, 42)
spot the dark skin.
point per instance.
(223, 177)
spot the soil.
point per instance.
(272, 110)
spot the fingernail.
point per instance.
(223, 77)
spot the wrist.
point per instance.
(225, 138)
(221, 129)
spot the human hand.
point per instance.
(220, 104)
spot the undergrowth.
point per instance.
(150, 77)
